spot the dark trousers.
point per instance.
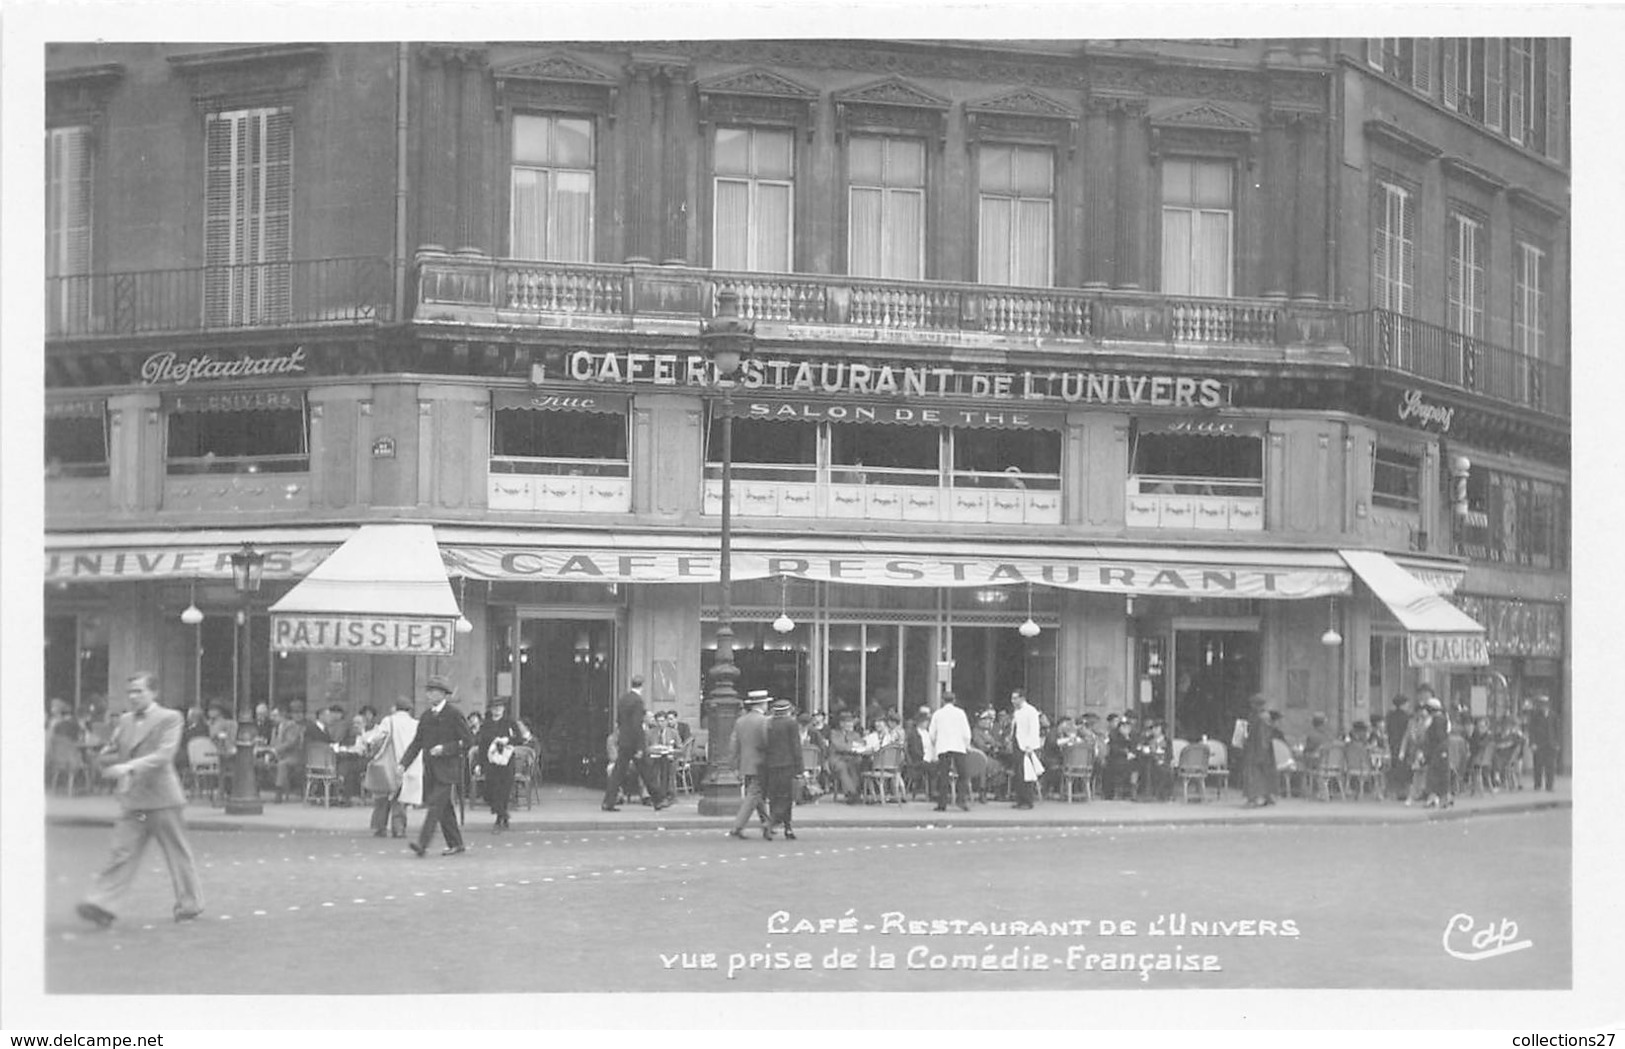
(625, 762)
(438, 809)
(752, 802)
(1021, 786)
(499, 789)
(1119, 778)
(389, 814)
(1545, 766)
(958, 761)
(781, 787)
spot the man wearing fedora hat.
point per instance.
(443, 738)
(749, 753)
(782, 764)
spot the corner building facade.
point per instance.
(1053, 332)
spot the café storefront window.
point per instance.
(1196, 474)
(1515, 520)
(237, 433)
(559, 453)
(76, 438)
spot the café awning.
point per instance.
(384, 591)
(1438, 633)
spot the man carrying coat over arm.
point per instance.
(443, 737)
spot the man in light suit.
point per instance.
(629, 749)
(443, 737)
(140, 760)
(749, 753)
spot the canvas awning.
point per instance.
(1438, 633)
(385, 590)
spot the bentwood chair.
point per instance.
(1218, 766)
(884, 775)
(1331, 769)
(524, 776)
(1078, 770)
(1193, 769)
(1360, 770)
(321, 772)
(203, 767)
(682, 768)
(64, 761)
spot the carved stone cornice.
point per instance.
(1402, 141)
(892, 104)
(555, 80)
(80, 92)
(1114, 105)
(454, 54)
(757, 96)
(239, 76)
(1290, 116)
(1531, 201)
(1456, 167)
(1023, 115)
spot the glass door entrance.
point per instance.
(566, 674)
(1215, 671)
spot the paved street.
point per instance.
(558, 910)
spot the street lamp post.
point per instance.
(247, 570)
(727, 340)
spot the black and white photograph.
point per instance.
(876, 509)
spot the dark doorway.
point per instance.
(566, 678)
(1214, 673)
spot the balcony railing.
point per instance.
(1394, 342)
(454, 286)
(261, 295)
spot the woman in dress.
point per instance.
(494, 754)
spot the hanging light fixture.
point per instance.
(193, 615)
(463, 625)
(583, 648)
(784, 624)
(1029, 628)
(1331, 638)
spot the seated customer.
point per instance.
(1315, 741)
(845, 758)
(288, 745)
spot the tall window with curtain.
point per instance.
(1465, 277)
(1529, 297)
(886, 202)
(247, 229)
(552, 191)
(1198, 219)
(1017, 213)
(755, 197)
(68, 181)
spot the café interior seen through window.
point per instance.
(876, 453)
(1191, 464)
(253, 441)
(76, 447)
(588, 444)
(1396, 480)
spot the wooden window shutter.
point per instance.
(1422, 65)
(247, 226)
(1516, 88)
(1475, 274)
(1555, 107)
(1494, 49)
(1381, 233)
(1447, 73)
(68, 179)
(1453, 276)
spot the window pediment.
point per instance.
(757, 96)
(1023, 115)
(556, 80)
(248, 76)
(1202, 116)
(1203, 128)
(893, 105)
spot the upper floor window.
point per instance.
(1406, 59)
(1465, 277)
(68, 182)
(1393, 249)
(1509, 84)
(247, 230)
(1017, 206)
(1471, 75)
(1198, 217)
(1534, 90)
(755, 197)
(1396, 479)
(552, 188)
(886, 207)
(1529, 299)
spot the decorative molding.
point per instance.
(555, 80)
(266, 74)
(79, 94)
(1023, 115)
(1402, 141)
(757, 96)
(892, 104)
(1529, 200)
(1455, 167)
(1290, 116)
(458, 54)
(1112, 104)
(1202, 116)
(1203, 129)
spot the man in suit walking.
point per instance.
(629, 749)
(782, 764)
(1543, 741)
(749, 753)
(140, 760)
(443, 738)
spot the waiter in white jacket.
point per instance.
(385, 742)
(1029, 742)
(950, 736)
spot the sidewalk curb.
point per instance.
(934, 821)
